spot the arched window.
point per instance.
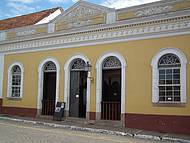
(78, 65)
(111, 63)
(15, 81)
(169, 78)
(50, 67)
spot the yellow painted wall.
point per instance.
(138, 56)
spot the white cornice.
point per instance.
(153, 19)
(127, 30)
(58, 43)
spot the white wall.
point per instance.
(50, 17)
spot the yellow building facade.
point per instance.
(129, 65)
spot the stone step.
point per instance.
(76, 120)
(108, 123)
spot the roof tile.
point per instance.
(26, 20)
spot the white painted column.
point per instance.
(1, 74)
(67, 88)
(111, 17)
(88, 92)
(51, 27)
(98, 89)
(155, 80)
(123, 90)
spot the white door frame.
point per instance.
(67, 68)
(99, 81)
(41, 80)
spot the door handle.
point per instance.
(115, 94)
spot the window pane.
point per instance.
(177, 98)
(162, 77)
(169, 98)
(161, 82)
(168, 81)
(162, 98)
(169, 71)
(162, 71)
(169, 77)
(169, 93)
(176, 71)
(176, 93)
(162, 88)
(176, 76)
(15, 91)
(162, 93)
(177, 88)
(169, 88)
(176, 82)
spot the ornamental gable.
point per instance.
(82, 14)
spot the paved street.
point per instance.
(14, 132)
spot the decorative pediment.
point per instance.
(82, 14)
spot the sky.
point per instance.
(12, 8)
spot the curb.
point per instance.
(99, 131)
(175, 140)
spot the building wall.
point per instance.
(138, 56)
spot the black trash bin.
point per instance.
(59, 111)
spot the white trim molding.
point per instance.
(107, 33)
(49, 17)
(1, 74)
(99, 80)
(155, 74)
(67, 68)
(9, 83)
(41, 78)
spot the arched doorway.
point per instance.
(49, 88)
(78, 88)
(111, 89)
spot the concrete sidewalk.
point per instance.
(96, 128)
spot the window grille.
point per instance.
(78, 65)
(16, 81)
(49, 67)
(169, 78)
(111, 62)
(168, 60)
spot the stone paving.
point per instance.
(98, 129)
(17, 132)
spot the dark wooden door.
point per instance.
(111, 94)
(83, 91)
(74, 94)
(49, 93)
(78, 86)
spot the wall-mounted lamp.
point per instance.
(88, 68)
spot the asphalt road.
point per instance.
(14, 132)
